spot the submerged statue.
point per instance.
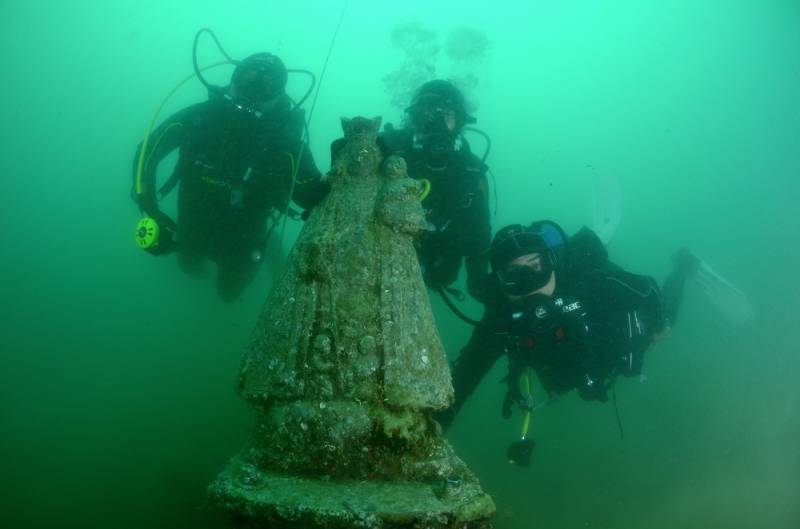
(345, 367)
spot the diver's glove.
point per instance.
(167, 237)
(512, 398)
(146, 201)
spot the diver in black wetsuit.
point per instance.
(562, 308)
(237, 154)
(457, 205)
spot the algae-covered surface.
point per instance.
(345, 366)
(261, 499)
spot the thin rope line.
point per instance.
(310, 116)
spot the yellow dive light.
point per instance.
(519, 452)
(147, 232)
(526, 421)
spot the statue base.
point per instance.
(262, 500)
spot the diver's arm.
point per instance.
(161, 141)
(516, 365)
(309, 188)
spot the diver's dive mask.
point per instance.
(433, 114)
(519, 280)
(516, 278)
(435, 123)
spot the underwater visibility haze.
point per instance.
(660, 124)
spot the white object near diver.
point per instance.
(729, 299)
(607, 214)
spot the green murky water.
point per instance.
(116, 371)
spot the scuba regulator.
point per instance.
(519, 452)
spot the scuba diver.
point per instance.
(242, 158)
(457, 204)
(562, 308)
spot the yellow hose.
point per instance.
(157, 143)
(426, 188)
(140, 165)
(526, 421)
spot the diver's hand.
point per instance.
(167, 240)
(511, 398)
(164, 222)
(147, 202)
